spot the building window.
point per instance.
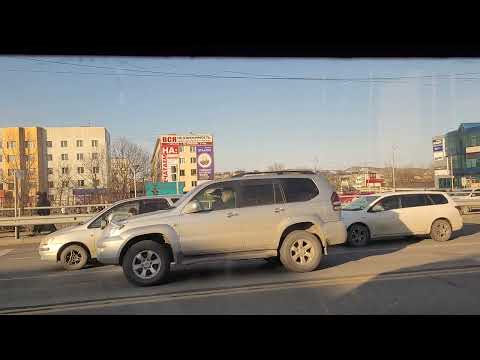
(64, 143)
(193, 160)
(65, 170)
(64, 156)
(1, 158)
(79, 143)
(30, 158)
(193, 172)
(80, 170)
(1, 186)
(180, 149)
(192, 149)
(173, 169)
(96, 182)
(49, 144)
(182, 172)
(29, 144)
(96, 170)
(11, 144)
(94, 156)
(11, 158)
(94, 143)
(79, 157)
(50, 171)
(10, 186)
(194, 183)
(182, 160)
(174, 177)
(49, 157)
(10, 172)
(65, 184)
(81, 183)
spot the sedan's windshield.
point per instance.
(360, 203)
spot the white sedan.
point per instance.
(401, 214)
(74, 247)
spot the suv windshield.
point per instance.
(360, 203)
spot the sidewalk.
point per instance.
(8, 239)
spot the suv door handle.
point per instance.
(277, 210)
(229, 215)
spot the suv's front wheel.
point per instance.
(301, 251)
(146, 263)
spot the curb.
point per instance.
(22, 241)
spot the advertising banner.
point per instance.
(164, 188)
(195, 139)
(472, 149)
(205, 167)
(438, 155)
(169, 159)
(438, 148)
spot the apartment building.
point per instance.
(184, 158)
(23, 151)
(77, 158)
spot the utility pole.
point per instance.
(393, 167)
(451, 171)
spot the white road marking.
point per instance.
(196, 294)
(79, 272)
(5, 252)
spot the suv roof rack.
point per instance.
(279, 172)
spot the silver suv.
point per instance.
(290, 216)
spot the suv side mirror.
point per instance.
(376, 208)
(192, 207)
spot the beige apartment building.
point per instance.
(183, 158)
(22, 152)
(77, 158)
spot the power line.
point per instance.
(248, 76)
(252, 76)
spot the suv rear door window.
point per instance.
(150, 205)
(438, 199)
(256, 193)
(414, 200)
(299, 189)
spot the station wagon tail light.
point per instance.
(336, 204)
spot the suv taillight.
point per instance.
(336, 204)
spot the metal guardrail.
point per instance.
(44, 220)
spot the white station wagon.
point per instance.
(401, 214)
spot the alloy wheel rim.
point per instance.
(146, 264)
(73, 257)
(302, 251)
(359, 235)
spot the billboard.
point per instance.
(205, 163)
(164, 188)
(169, 159)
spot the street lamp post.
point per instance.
(393, 168)
(134, 180)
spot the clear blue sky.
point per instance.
(255, 122)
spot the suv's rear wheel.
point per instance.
(301, 251)
(146, 263)
(441, 230)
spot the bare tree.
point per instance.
(276, 167)
(64, 184)
(94, 169)
(25, 161)
(128, 158)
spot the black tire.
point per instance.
(147, 274)
(358, 235)
(295, 257)
(74, 257)
(274, 260)
(441, 230)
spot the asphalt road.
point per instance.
(415, 276)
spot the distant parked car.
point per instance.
(401, 214)
(74, 247)
(466, 200)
